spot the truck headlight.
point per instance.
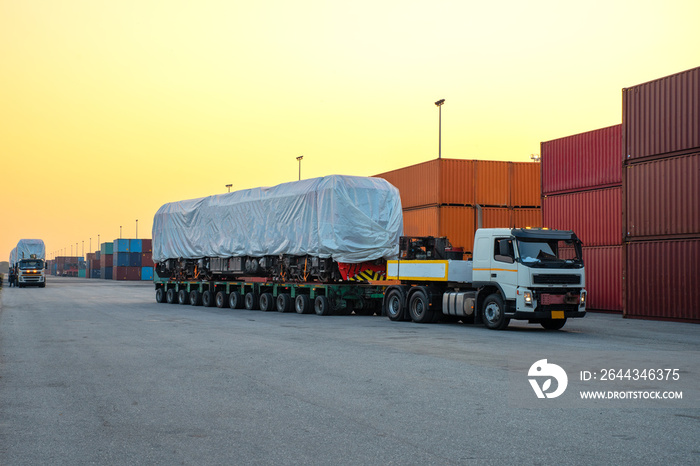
(527, 296)
(582, 298)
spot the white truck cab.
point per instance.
(530, 274)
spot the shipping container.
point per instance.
(661, 279)
(146, 245)
(467, 183)
(583, 161)
(127, 273)
(107, 260)
(662, 197)
(146, 273)
(106, 272)
(523, 218)
(525, 183)
(135, 259)
(135, 245)
(603, 277)
(121, 259)
(121, 245)
(147, 259)
(595, 216)
(662, 116)
(107, 248)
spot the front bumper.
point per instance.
(537, 315)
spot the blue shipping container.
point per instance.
(121, 259)
(106, 273)
(121, 245)
(146, 273)
(135, 245)
(134, 259)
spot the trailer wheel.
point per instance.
(235, 300)
(221, 299)
(170, 296)
(553, 324)
(208, 299)
(419, 308)
(322, 306)
(302, 304)
(195, 298)
(395, 305)
(183, 297)
(160, 295)
(284, 302)
(251, 301)
(266, 302)
(494, 312)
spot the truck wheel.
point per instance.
(195, 298)
(322, 306)
(419, 308)
(170, 296)
(251, 301)
(266, 302)
(395, 305)
(235, 300)
(221, 299)
(302, 304)
(183, 296)
(553, 324)
(208, 299)
(494, 312)
(160, 295)
(284, 302)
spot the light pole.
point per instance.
(120, 232)
(137, 228)
(228, 186)
(439, 104)
(299, 159)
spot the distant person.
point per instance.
(11, 276)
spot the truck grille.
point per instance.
(554, 279)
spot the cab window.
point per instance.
(503, 250)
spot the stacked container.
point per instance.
(661, 195)
(452, 197)
(582, 191)
(68, 266)
(106, 260)
(93, 264)
(133, 259)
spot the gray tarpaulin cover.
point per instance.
(13, 256)
(351, 219)
(27, 247)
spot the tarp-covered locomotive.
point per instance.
(324, 229)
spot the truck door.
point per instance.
(504, 269)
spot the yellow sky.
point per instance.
(109, 109)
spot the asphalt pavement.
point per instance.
(97, 372)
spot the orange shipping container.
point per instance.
(523, 218)
(525, 184)
(492, 183)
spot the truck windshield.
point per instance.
(550, 253)
(31, 264)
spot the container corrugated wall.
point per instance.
(662, 116)
(595, 216)
(525, 178)
(523, 218)
(418, 184)
(583, 161)
(492, 183)
(661, 279)
(663, 197)
(603, 277)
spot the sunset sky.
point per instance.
(109, 109)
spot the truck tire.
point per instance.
(183, 297)
(208, 299)
(553, 324)
(235, 300)
(195, 298)
(302, 304)
(494, 312)
(322, 306)
(160, 295)
(395, 305)
(284, 302)
(221, 299)
(266, 302)
(251, 301)
(170, 296)
(419, 308)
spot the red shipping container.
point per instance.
(662, 116)
(595, 216)
(146, 259)
(662, 197)
(582, 161)
(146, 245)
(106, 260)
(126, 273)
(661, 279)
(603, 277)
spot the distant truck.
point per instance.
(528, 274)
(29, 257)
